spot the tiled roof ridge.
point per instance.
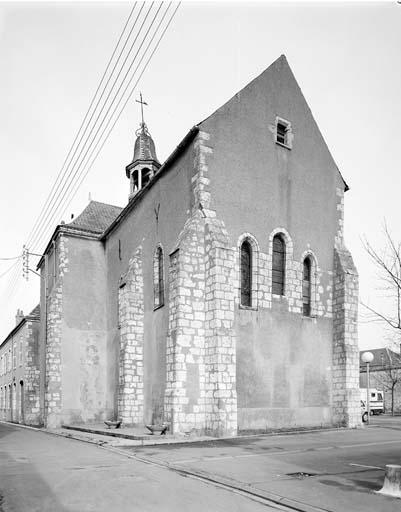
(103, 204)
(381, 355)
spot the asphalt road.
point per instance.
(321, 471)
(40, 472)
(331, 470)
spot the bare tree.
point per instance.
(388, 267)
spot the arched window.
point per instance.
(306, 287)
(246, 274)
(158, 278)
(278, 270)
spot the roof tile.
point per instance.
(96, 217)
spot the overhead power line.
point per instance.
(70, 192)
(84, 174)
(71, 185)
(66, 185)
(11, 258)
(104, 105)
(9, 269)
(14, 280)
(49, 197)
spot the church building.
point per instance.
(221, 298)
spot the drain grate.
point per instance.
(300, 475)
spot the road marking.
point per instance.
(368, 444)
(365, 466)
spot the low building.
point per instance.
(19, 371)
(385, 375)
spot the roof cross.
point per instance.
(142, 104)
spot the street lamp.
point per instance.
(367, 357)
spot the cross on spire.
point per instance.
(142, 104)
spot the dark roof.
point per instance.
(381, 357)
(96, 217)
(144, 146)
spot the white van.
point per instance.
(376, 402)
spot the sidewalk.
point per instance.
(137, 436)
(127, 436)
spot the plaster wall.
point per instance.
(283, 369)
(84, 379)
(157, 218)
(284, 361)
(272, 186)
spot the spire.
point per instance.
(144, 163)
(144, 148)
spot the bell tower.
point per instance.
(144, 163)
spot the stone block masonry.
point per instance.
(31, 388)
(220, 340)
(185, 383)
(346, 399)
(201, 367)
(53, 386)
(131, 319)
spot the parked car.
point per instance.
(364, 412)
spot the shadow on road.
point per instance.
(22, 489)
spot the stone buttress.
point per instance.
(346, 398)
(53, 352)
(131, 316)
(201, 389)
(32, 411)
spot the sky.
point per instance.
(345, 57)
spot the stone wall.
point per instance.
(53, 354)
(32, 413)
(131, 314)
(346, 397)
(201, 385)
(220, 341)
(185, 351)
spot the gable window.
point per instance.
(158, 278)
(283, 133)
(278, 268)
(306, 287)
(246, 274)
